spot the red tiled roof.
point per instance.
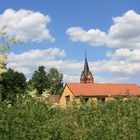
(99, 89)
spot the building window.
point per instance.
(101, 99)
(67, 99)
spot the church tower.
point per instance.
(86, 75)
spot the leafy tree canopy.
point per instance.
(12, 83)
(56, 81)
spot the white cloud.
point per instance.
(124, 33)
(117, 68)
(26, 25)
(127, 55)
(113, 69)
(27, 62)
(93, 36)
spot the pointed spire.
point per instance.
(86, 67)
(86, 75)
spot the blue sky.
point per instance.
(70, 22)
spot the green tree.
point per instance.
(56, 81)
(12, 83)
(39, 80)
(5, 43)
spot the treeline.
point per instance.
(29, 119)
(14, 84)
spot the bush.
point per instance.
(29, 119)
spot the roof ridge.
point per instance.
(104, 83)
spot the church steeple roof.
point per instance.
(86, 67)
(86, 75)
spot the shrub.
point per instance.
(30, 119)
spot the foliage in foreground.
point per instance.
(29, 119)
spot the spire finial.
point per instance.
(85, 53)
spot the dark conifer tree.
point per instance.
(39, 80)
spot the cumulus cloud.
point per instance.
(93, 36)
(118, 68)
(123, 33)
(126, 55)
(28, 61)
(113, 69)
(26, 25)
